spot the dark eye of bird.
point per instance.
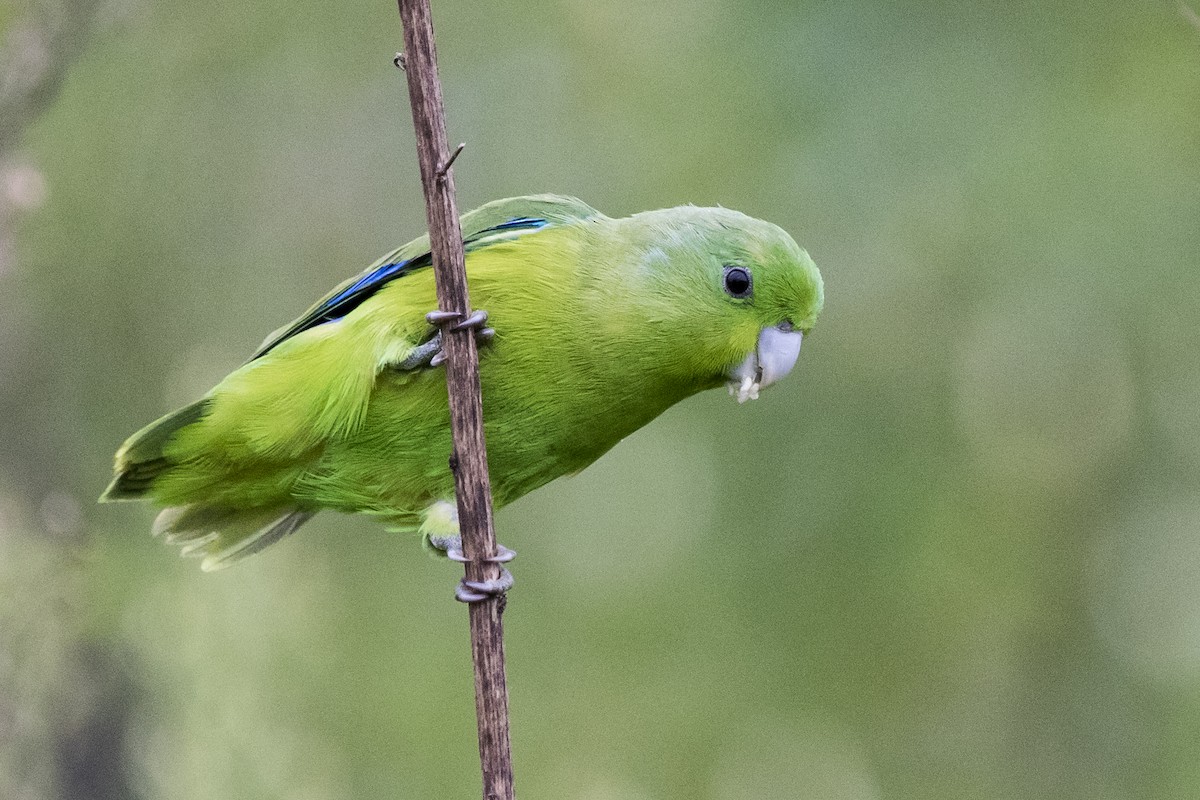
(737, 282)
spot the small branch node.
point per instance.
(444, 168)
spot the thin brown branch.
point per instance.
(469, 458)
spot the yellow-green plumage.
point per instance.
(601, 325)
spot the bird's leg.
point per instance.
(476, 320)
(422, 355)
(475, 591)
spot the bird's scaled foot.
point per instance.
(475, 591)
(478, 591)
(476, 320)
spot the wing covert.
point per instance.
(500, 220)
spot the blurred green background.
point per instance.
(955, 556)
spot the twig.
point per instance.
(469, 458)
(444, 168)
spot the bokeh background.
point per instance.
(955, 555)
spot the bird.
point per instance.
(593, 327)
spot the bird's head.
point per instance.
(741, 292)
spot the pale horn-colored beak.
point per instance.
(770, 361)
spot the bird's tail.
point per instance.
(220, 533)
(141, 459)
(223, 535)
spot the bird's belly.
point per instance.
(536, 429)
(539, 435)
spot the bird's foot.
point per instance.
(431, 353)
(476, 320)
(478, 591)
(475, 591)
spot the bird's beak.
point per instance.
(773, 358)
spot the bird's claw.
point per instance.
(454, 552)
(478, 591)
(475, 320)
(503, 555)
(437, 317)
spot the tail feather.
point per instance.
(224, 535)
(218, 532)
(141, 460)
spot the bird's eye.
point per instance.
(737, 282)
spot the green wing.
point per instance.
(499, 220)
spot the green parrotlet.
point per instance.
(599, 325)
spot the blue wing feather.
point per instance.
(345, 301)
(376, 279)
(517, 222)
